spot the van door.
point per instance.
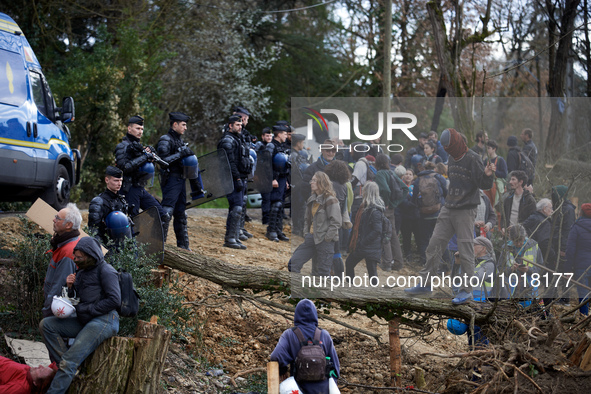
(17, 161)
(49, 141)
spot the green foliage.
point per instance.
(14, 206)
(164, 302)
(31, 265)
(28, 274)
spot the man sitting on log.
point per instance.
(97, 286)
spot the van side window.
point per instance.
(42, 95)
(13, 79)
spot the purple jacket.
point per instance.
(306, 318)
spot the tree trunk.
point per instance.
(449, 75)
(258, 278)
(125, 365)
(556, 83)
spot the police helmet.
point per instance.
(146, 174)
(190, 167)
(456, 327)
(118, 225)
(281, 161)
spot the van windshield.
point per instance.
(13, 83)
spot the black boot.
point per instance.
(244, 235)
(232, 228)
(180, 230)
(166, 222)
(273, 222)
(280, 235)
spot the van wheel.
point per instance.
(58, 195)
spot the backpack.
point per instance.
(398, 190)
(371, 170)
(526, 166)
(386, 229)
(310, 362)
(130, 300)
(429, 196)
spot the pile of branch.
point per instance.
(534, 353)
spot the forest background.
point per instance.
(124, 57)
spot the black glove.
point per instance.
(185, 151)
(238, 185)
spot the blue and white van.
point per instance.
(36, 159)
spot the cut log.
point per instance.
(108, 368)
(126, 365)
(151, 347)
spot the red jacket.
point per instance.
(14, 377)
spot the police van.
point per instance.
(36, 159)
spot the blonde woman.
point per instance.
(368, 235)
(321, 228)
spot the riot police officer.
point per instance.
(238, 154)
(249, 140)
(114, 228)
(182, 164)
(266, 138)
(280, 159)
(136, 162)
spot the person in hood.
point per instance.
(97, 286)
(467, 174)
(306, 318)
(578, 253)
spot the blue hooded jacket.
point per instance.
(306, 318)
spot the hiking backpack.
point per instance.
(429, 195)
(130, 300)
(526, 165)
(310, 362)
(398, 189)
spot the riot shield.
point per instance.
(216, 177)
(147, 229)
(263, 176)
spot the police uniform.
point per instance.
(130, 156)
(239, 158)
(102, 205)
(280, 174)
(172, 149)
(249, 140)
(299, 163)
(265, 197)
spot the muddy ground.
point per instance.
(238, 337)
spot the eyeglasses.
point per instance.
(58, 218)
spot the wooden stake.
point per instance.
(395, 354)
(273, 377)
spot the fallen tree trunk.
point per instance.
(260, 278)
